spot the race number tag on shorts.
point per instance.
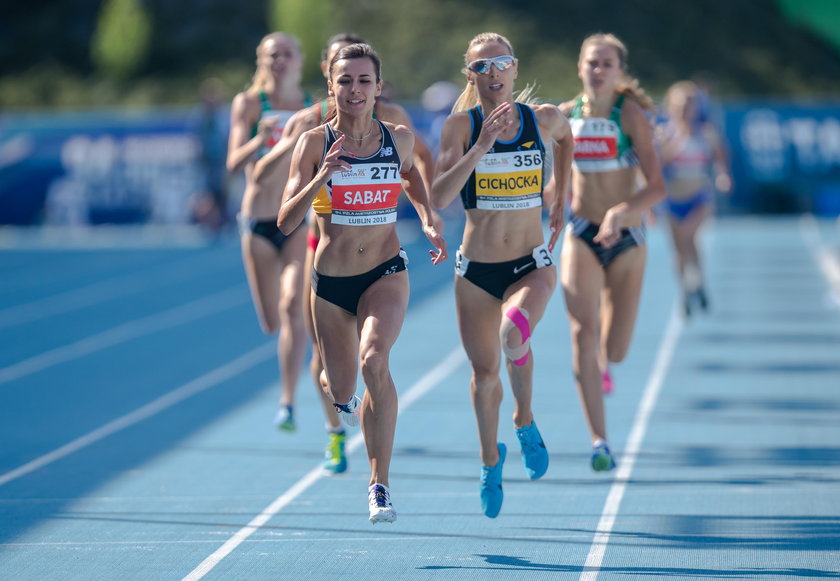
(366, 195)
(542, 256)
(509, 180)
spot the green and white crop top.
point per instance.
(600, 144)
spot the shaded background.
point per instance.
(100, 121)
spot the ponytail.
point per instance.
(629, 87)
(466, 100)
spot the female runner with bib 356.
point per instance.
(494, 152)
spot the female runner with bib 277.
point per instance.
(351, 170)
(494, 152)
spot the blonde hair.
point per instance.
(259, 82)
(628, 86)
(469, 96)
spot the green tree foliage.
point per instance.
(745, 47)
(121, 42)
(307, 20)
(424, 42)
(821, 16)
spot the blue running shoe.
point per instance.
(491, 485)
(335, 461)
(534, 454)
(602, 459)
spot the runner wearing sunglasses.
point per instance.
(493, 152)
(482, 66)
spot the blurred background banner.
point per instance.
(785, 157)
(103, 167)
(116, 111)
(132, 167)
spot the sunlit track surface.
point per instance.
(151, 449)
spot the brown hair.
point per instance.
(357, 51)
(351, 51)
(469, 96)
(344, 38)
(628, 85)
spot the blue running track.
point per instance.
(136, 441)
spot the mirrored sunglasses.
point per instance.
(482, 66)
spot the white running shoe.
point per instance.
(349, 412)
(379, 503)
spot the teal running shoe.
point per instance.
(335, 460)
(491, 485)
(534, 454)
(602, 458)
(284, 420)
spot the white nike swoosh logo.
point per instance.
(519, 269)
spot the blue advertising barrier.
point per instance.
(125, 166)
(89, 168)
(785, 157)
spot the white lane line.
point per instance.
(102, 291)
(206, 381)
(426, 383)
(179, 315)
(828, 262)
(631, 450)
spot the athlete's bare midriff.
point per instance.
(352, 250)
(263, 201)
(499, 236)
(686, 188)
(595, 193)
